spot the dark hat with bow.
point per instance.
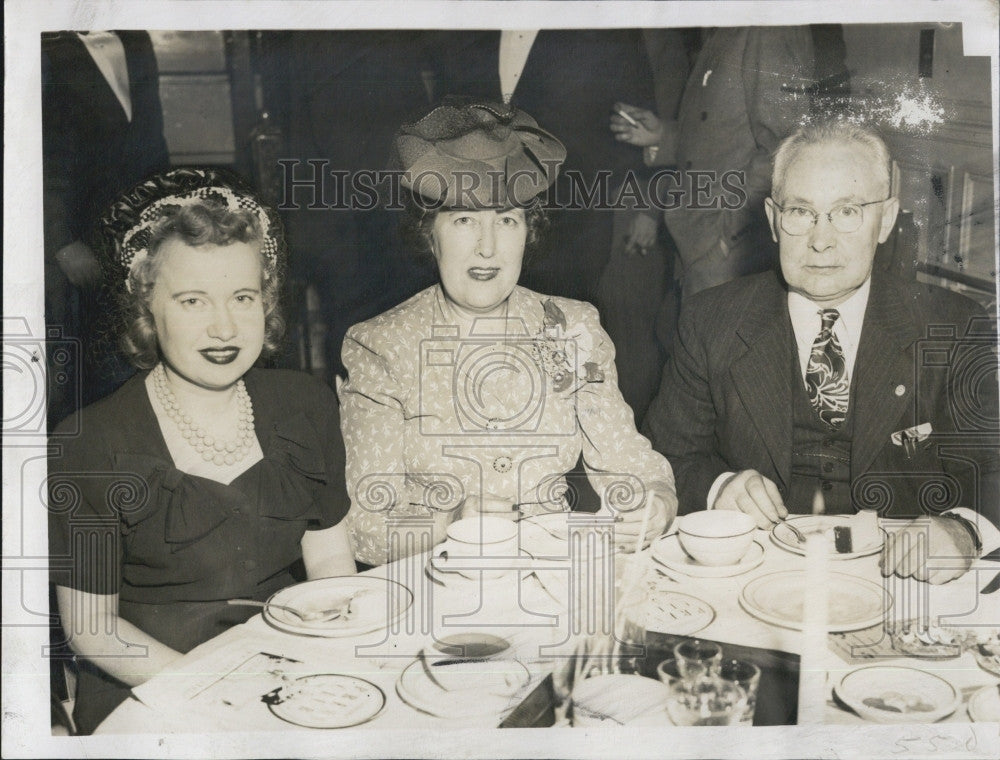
(477, 154)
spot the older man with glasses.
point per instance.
(836, 378)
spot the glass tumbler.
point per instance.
(705, 700)
(746, 676)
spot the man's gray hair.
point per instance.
(832, 131)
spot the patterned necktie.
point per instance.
(826, 373)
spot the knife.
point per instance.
(992, 586)
(459, 661)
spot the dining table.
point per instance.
(532, 603)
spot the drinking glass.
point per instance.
(704, 700)
(697, 658)
(746, 676)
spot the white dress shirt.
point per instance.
(806, 324)
(515, 45)
(108, 53)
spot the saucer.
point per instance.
(327, 700)
(668, 552)
(890, 694)
(984, 705)
(470, 689)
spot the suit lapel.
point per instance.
(761, 375)
(883, 383)
(93, 89)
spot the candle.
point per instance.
(812, 672)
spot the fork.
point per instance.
(799, 535)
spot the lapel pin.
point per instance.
(900, 389)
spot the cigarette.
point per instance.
(627, 118)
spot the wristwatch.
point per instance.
(969, 526)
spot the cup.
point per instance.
(746, 676)
(716, 537)
(480, 536)
(705, 700)
(697, 658)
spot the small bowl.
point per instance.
(717, 536)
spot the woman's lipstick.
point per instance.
(223, 355)
(483, 273)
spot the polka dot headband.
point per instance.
(129, 225)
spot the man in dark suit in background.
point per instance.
(102, 133)
(342, 97)
(835, 377)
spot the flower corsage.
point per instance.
(563, 351)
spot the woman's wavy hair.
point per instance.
(204, 223)
(417, 223)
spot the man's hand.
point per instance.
(647, 129)
(627, 530)
(935, 550)
(749, 491)
(642, 234)
(79, 264)
(475, 504)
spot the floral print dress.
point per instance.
(436, 408)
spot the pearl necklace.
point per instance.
(211, 450)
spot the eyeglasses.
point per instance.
(847, 217)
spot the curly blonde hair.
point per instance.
(204, 223)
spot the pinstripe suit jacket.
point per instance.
(925, 355)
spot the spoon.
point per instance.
(314, 616)
(561, 535)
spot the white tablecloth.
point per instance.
(218, 686)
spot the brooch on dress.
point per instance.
(563, 351)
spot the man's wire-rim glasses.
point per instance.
(845, 217)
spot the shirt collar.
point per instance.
(852, 311)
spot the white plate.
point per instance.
(984, 705)
(328, 701)
(668, 552)
(779, 599)
(670, 612)
(547, 535)
(487, 688)
(890, 694)
(825, 524)
(376, 603)
(620, 699)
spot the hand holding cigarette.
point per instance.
(636, 126)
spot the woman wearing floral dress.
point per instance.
(477, 395)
